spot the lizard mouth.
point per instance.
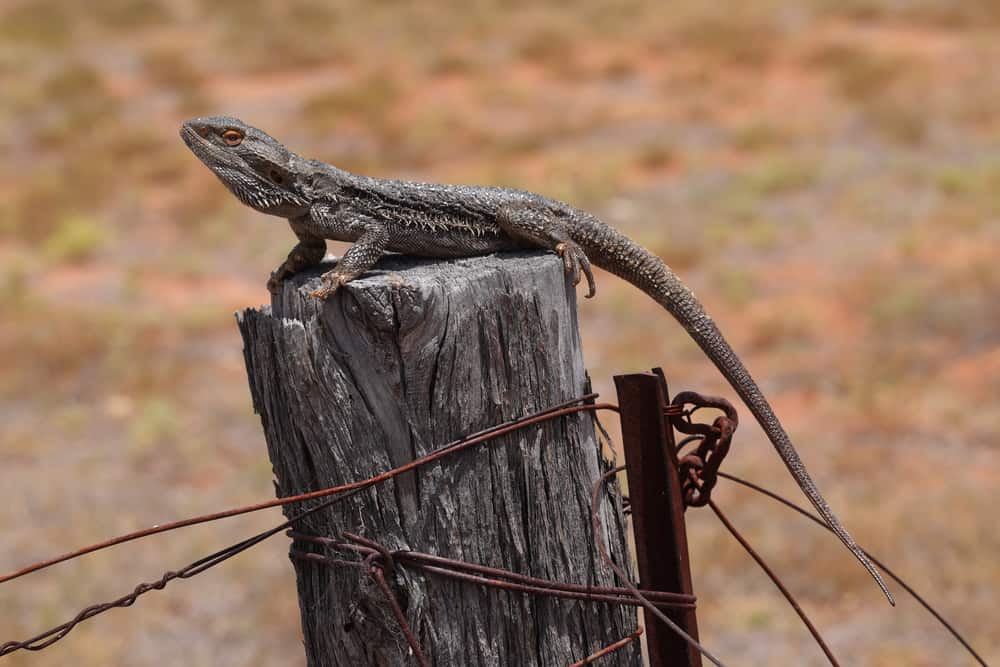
(211, 155)
(190, 136)
(204, 149)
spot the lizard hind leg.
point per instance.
(545, 230)
(308, 252)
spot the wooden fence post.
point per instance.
(403, 360)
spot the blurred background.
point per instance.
(825, 175)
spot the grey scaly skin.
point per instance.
(323, 202)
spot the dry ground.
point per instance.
(825, 174)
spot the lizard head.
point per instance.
(255, 167)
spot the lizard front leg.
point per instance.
(309, 252)
(360, 257)
(546, 230)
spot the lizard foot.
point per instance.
(575, 262)
(332, 281)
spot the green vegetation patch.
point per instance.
(77, 238)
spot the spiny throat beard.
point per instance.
(257, 194)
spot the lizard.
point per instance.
(322, 202)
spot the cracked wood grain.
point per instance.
(402, 360)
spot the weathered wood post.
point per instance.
(408, 358)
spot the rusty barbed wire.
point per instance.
(45, 639)
(610, 648)
(481, 574)
(699, 468)
(777, 582)
(595, 518)
(697, 475)
(376, 572)
(567, 407)
(340, 493)
(378, 560)
(899, 580)
(698, 471)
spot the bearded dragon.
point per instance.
(378, 215)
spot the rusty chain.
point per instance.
(698, 469)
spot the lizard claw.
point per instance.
(575, 262)
(332, 281)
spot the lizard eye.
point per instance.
(232, 137)
(276, 177)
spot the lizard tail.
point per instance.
(616, 253)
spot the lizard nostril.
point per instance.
(203, 131)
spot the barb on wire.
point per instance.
(899, 580)
(609, 649)
(595, 517)
(376, 572)
(568, 407)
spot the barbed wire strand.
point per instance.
(568, 407)
(454, 569)
(642, 598)
(378, 574)
(49, 637)
(595, 517)
(492, 576)
(777, 582)
(698, 472)
(610, 648)
(378, 558)
(899, 580)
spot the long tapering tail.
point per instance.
(614, 252)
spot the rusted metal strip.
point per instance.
(657, 512)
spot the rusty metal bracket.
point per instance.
(655, 497)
